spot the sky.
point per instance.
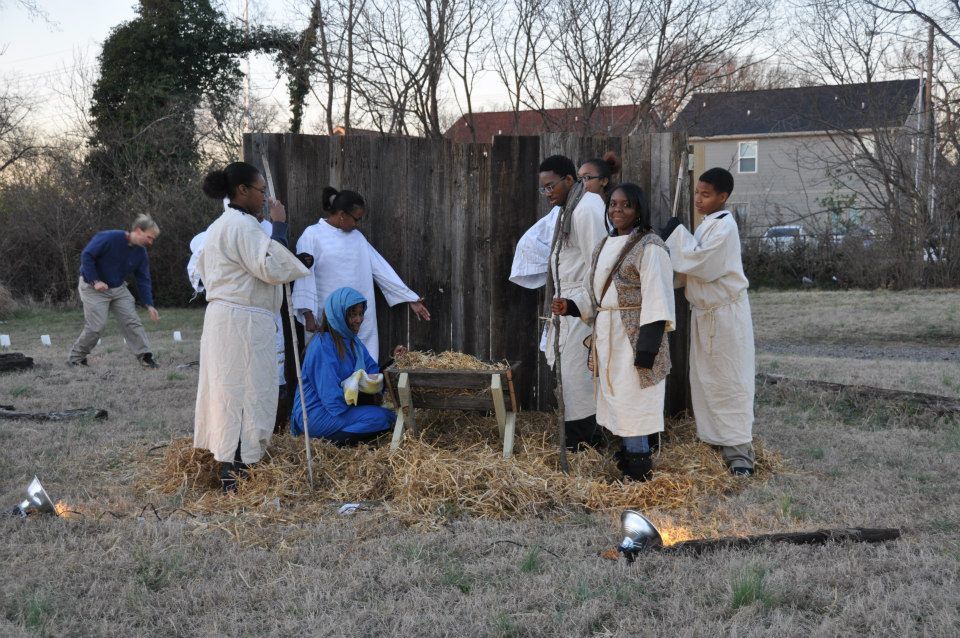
(39, 58)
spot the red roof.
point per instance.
(606, 120)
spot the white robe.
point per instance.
(722, 364)
(530, 260)
(623, 407)
(241, 269)
(196, 248)
(347, 259)
(586, 231)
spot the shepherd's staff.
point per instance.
(560, 234)
(681, 169)
(293, 335)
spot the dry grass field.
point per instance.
(118, 569)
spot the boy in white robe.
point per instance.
(721, 329)
(343, 258)
(574, 248)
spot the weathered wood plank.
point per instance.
(853, 534)
(513, 309)
(424, 399)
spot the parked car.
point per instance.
(786, 237)
(866, 236)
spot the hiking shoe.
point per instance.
(78, 362)
(146, 361)
(741, 471)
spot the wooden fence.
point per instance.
(448, 216)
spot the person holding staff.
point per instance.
(344, 257)
(630, 288)
(721, 327)
(241, 269)
(579, 229)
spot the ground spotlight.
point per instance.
(639, 534)
(37, 502)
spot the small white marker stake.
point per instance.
(45, 340)
(99, 341)
(5, 341)
(177, 336)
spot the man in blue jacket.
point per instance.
(105, 264)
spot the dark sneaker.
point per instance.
(741, 471)
(79, 362)
(146, 361)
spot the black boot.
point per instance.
(636, 466)
(583, 432)
(284, 405)
(228, 477)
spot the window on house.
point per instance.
(747, 157)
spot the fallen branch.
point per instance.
(14, 361)
(852, 534)
(65, 415)
(933, 402)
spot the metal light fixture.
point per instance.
(38, 501)
(639, 534)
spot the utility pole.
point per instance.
(928, 147)
(246, 76)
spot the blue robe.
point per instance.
(327, 411)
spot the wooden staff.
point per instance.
(293, 335)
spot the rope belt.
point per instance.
(593, 348)
(253, 309)
(710, 313)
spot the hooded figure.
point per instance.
(332, 357)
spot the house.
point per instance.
(791, 150)
(610, 121)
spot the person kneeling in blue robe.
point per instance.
(334, 355)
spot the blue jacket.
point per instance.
(110, 259)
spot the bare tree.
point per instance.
(17, 141)
(520, 44)
(689, 45)
(943, 16)
(466, 55)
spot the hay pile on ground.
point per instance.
(449, 360)
(453, 468)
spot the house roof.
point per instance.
(606, 120)
(798, 110)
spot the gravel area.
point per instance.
(895, 351)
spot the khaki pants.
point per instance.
(96, 308)
(738, 455)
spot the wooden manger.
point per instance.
(474, 390)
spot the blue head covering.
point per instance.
(335, 308)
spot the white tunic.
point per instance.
(623, 407)
(347, 259)
(196, 248)
(721, 329)
(237, 391)
(586, 231)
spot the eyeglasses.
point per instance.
(356, 220)
(587, 178)
(549, 188)
(262, 191)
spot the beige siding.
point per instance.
(789, 184)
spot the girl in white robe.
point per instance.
(241, 269)
(343, 258)
(630, 287)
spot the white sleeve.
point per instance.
(393, 288)
(305, 290)
(705, 258)
(656, 286)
